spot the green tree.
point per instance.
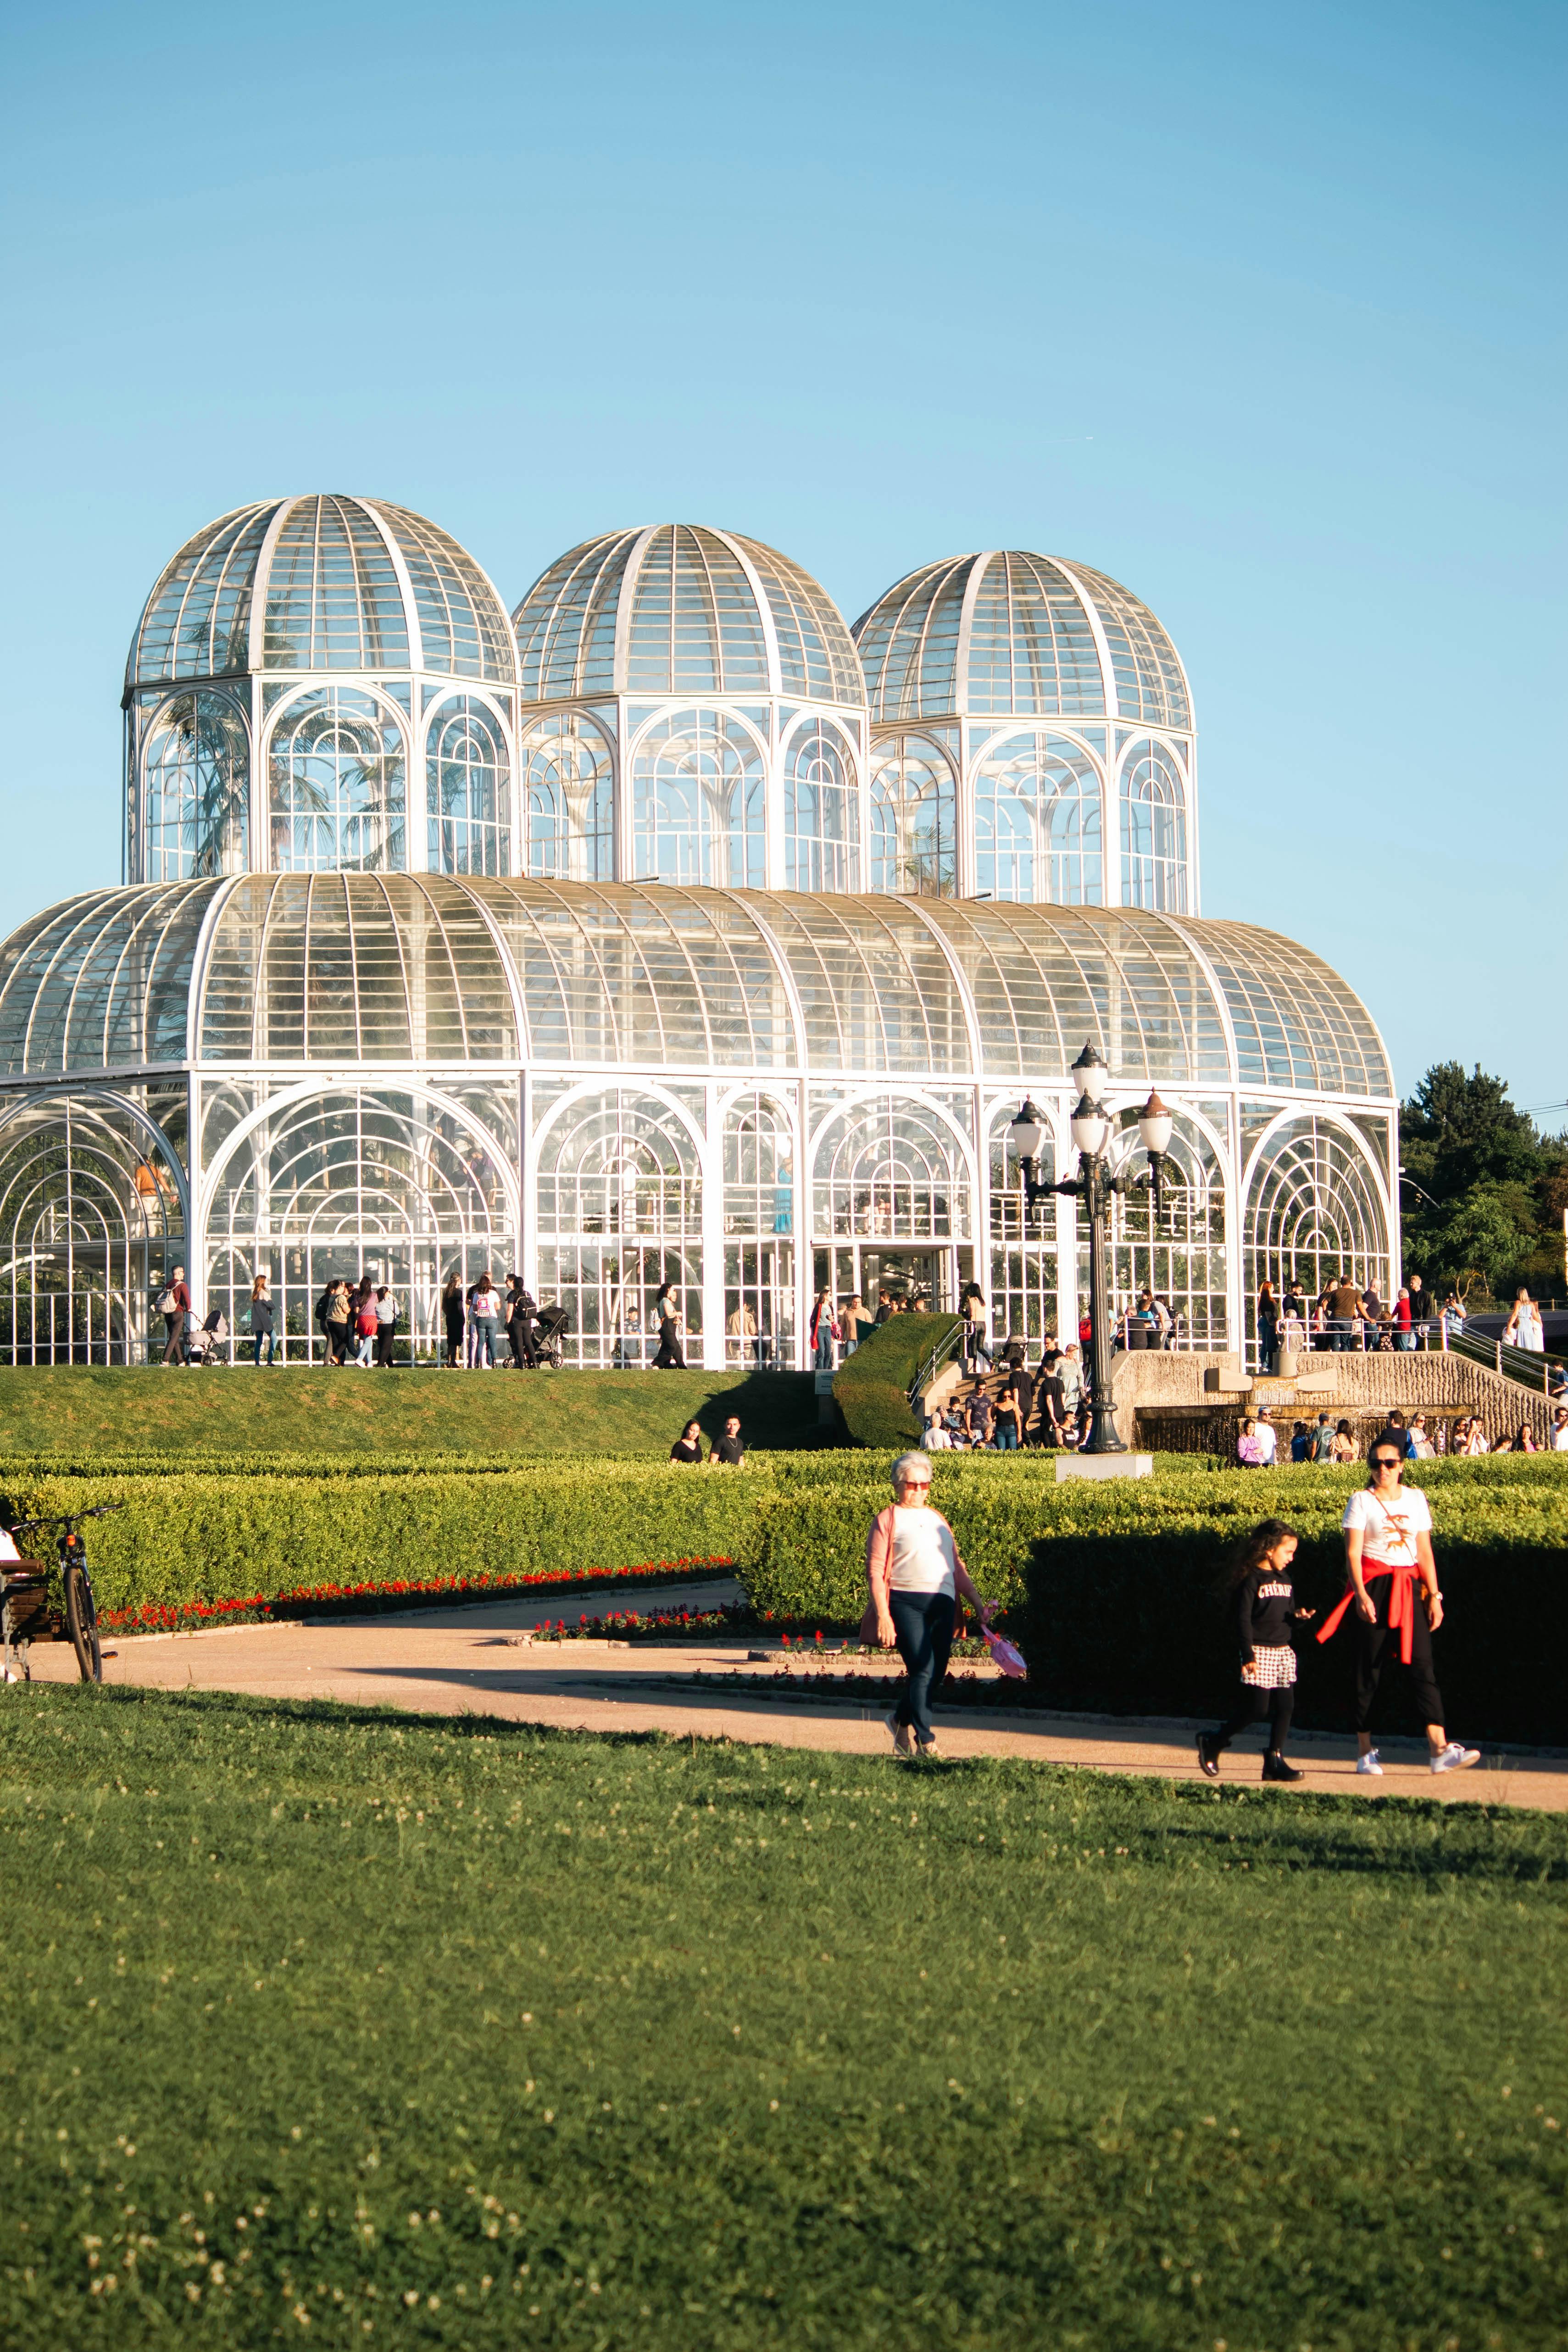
(1484, 1191)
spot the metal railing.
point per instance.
(935, 1357)
(1528, 1368)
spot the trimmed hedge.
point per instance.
(1111, 1589)
(871, 1387)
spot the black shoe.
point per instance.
(1208, 1755)
(1276, 1768)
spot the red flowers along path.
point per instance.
(373, 1600)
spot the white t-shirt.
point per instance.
(922, 1550)
(1389, 1529)
(1560, 1437)
(1267, 1442)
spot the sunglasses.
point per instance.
(1386, 1462)
(916, 1486)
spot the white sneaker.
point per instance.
(1456, 1758)
(1369, 1763)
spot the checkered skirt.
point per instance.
(1271, 1669)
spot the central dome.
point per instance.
(321, 584)
(677, 609)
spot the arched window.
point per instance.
(1312, 1213)
(336, 769)
(568, 782)
(913, 821)
(620, 1214)
(1153, 831)
(358, 1180)
(90, 1226)
(195, 789)
(698, 792)
(822, 822)
(467, 782)
(1036, 822)
(889, 1171)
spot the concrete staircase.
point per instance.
(1195, 1403)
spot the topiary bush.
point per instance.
(871, 1387)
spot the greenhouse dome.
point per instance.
(626, 943)
(1032, 737)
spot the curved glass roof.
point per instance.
(321, 584)
(678, 609)
(1011, 634)
(401, 968)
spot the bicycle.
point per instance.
(23, 1596)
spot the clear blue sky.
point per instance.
(1259, 310)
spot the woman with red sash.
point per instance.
(1388, 1549)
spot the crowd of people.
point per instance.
(1349, 1317)
(1326, 1440)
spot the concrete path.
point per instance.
(480, 1659)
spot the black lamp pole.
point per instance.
(1094, 1185)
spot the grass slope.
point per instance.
(328, 2027)
(81, 1408)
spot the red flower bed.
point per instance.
(372, 1599)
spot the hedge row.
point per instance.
(188, 1539)
(1112, 1590)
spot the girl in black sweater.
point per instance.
(1263, 1596)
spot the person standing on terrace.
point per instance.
(915, 1576)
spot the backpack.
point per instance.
(165, 1302)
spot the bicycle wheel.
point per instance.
(81, 1622)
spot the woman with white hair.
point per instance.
(916, 1575)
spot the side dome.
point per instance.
(677, 609)
(1006, 634)
(321, 584)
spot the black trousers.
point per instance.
(1376, 1643)
(1251, 1707)
(454, 1346)
(383, 1337)
(669, 1358)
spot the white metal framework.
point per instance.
(610, 1087)
(648, 938)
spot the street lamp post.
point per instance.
(1094, 1185)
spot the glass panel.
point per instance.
(1150, 687)
(568, 776)
(197, 623)
(1153, 830)
(1037, 821)
(1297, 1023)
(913, 820)
(90, 1226)
(468, 783)
(699, 781)
(462, 621)
(908, 644)
(565, 626)
(195, 789)
(336, 767)
(620, 1214)
(1031, 648)
(695, 626)
(822, 816)
(817, 659)
(333, 598)
(1179, 1257)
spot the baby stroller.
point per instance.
(549, 1330)
(203, 1346)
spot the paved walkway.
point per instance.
(481, 1660)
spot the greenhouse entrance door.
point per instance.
(877, 1271)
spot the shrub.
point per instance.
(872, 1387)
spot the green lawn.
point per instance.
(333, 2027)
(79, 1409)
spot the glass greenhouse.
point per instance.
(712, 958)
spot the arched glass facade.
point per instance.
(454, 941)
(606, 1087)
